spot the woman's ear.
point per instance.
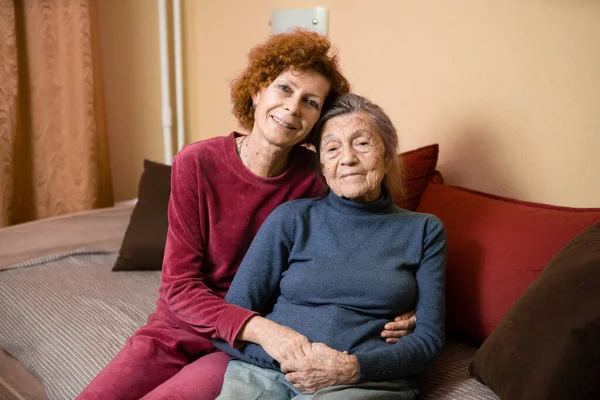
(255, 99)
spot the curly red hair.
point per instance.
(301, 49)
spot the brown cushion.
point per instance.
(143, 246)
(548, 345)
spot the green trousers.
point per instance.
(249, 382)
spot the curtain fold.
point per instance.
(53, 145)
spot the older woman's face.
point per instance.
(352, 157)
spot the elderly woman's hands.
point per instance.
(401, 326)
(314, 366)
(322, 367)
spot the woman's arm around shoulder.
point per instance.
(183, 288)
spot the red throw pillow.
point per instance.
(496, 248)
(419, 165)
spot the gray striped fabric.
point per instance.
(449, 377)
(65, 316)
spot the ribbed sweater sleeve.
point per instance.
(257, 280)
(183, 287)
(414, 353)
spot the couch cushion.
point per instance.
(496, 248)
(419, 165)
(143, 246)
(547, 346)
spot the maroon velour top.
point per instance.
(215, 209)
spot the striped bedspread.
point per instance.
(66, 315)
(449, 378)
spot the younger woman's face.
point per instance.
(289, 107)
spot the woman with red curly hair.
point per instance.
(222, 189)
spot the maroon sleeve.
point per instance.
(183, 287)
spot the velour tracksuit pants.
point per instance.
(161, 360)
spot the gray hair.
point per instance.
(352, 103)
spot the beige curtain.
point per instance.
(53, 148)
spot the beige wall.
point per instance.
(509, 89)
(131, 73)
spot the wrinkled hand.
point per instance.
(322, 367)
(283, 343)
(401, 326)
(280, 342)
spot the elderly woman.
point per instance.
(338, 268)
(222, 189)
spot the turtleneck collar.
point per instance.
(356, 208)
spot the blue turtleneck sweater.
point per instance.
(337, 271)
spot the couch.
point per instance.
(73, 288)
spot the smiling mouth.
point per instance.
(282, 123)
(353, 175)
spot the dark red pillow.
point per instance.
(496, 248)
(419, 166)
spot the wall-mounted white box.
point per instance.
(284, 19)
